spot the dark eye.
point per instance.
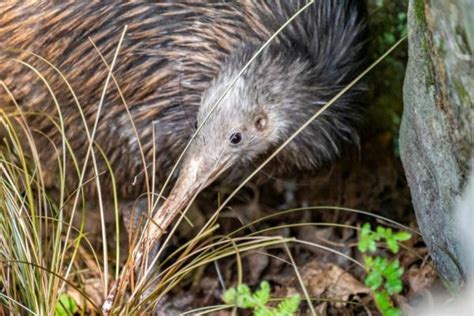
(235, 138)
(196, 125)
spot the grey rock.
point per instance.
(436, 137)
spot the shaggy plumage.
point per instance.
(176, 60)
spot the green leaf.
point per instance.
(367, 239)
(393, 270)
(230, 296)
(392, 311)
(366, 229)
(394, 287)
(262, 311)
(402, 236)
(243, 289)
(374, 280)
(372, 246)
(65, 306)
(368, 262)
(289, 306)
(363, 245)
(392, 244)
(240, 297)
(380, 231)
(383, 301)
(380, 264)
(364, 238)
(244, 298)
(384, 277)
(262, 295)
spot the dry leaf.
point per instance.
(328, 281)
(257, 261)
(420, 279)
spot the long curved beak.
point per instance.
(196, 174)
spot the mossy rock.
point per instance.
(436, 133)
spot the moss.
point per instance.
(462, 92)
(420, 15)
(429, 78)
(462, 39)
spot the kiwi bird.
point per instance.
(176, 61)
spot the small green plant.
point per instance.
(383, 275)
(242, 297)
(66, 306)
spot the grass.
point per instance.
(35, 257)
(47, 257)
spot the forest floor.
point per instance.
(370, 179)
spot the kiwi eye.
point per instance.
(235, 138)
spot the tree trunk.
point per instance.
(436, 137)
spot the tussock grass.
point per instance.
(47, 250)
(35, 258)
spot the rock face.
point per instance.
(436, 136)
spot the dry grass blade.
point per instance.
(210, 252)
(300, 280)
